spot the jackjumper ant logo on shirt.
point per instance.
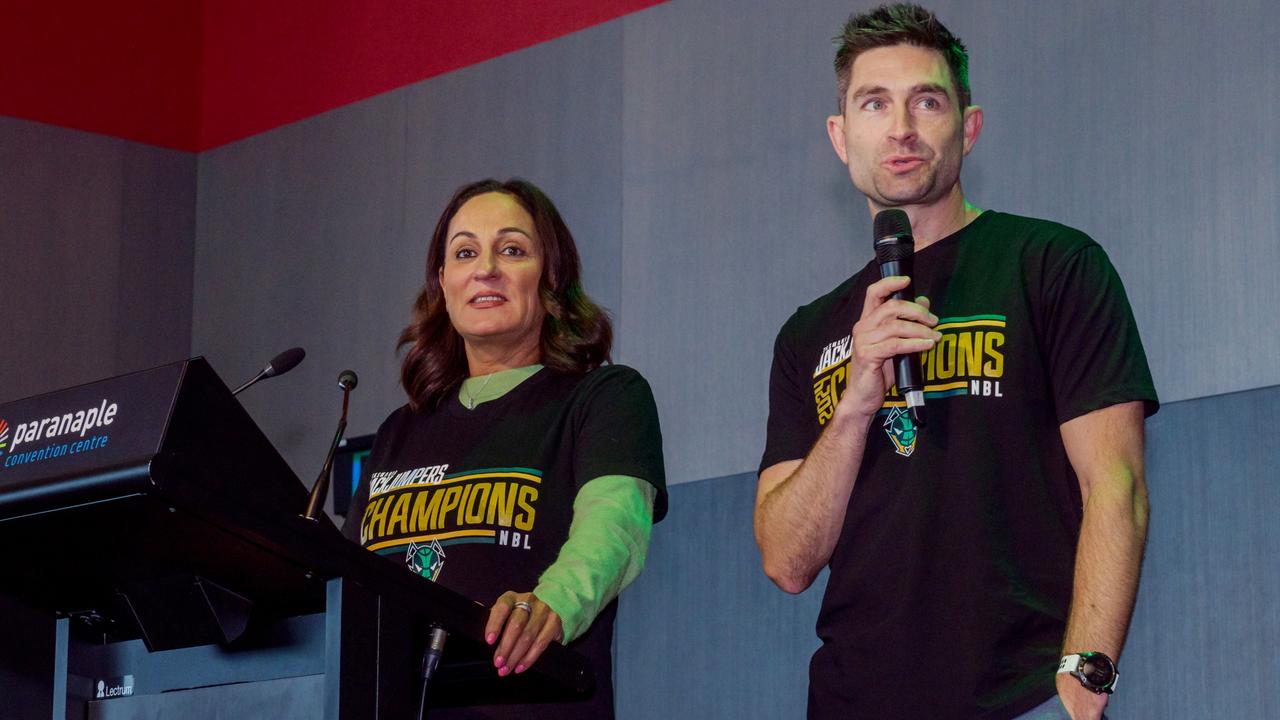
(902, 431)
(425, 560)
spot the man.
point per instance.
(970, 555)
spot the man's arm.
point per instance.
(1105, 448)
(800, 505)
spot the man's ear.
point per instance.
(972, 126)
(835, 131)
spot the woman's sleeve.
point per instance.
(622, 492)
(605, 552)
(616, 431)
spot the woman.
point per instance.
(523, 472)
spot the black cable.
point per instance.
(422, 700)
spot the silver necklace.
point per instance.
(471, 396)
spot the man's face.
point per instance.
(902, 133)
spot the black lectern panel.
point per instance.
(49, 442)
(121, 491)
(151, 506)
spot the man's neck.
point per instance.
(934, 221)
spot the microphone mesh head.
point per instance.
(892, 236)
(348, 380)
(285, 361)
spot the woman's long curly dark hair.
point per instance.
(576, 333)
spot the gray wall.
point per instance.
(703, 634)
(315, 234)
(95, 257)
(685, 146)
(736, 205)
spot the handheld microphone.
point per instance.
(895, 250)
(279, 365)
(315, 502)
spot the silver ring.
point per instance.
(522, 605)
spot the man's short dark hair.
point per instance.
(900, 24)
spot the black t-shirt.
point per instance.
(481, 500)
(951, 580)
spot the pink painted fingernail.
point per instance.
(519, 669)
(503, 671)
(498, 662)
(490, 638)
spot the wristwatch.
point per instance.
(1095, 671)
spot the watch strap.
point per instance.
(1069, 664)
(1072, 664)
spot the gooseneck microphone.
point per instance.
(895, 251)
(279, 365)
(315, 502)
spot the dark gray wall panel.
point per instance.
(1145, 124)
(686, 146)
(300, 243)
(96, 245)
(548, 114)
(1141, 124)
(736, 211)
(315, 234)
(703, 633)
(1210, 590)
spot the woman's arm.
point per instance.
(605, 551)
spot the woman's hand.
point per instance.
(526, 626)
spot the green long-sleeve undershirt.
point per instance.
(608, 537)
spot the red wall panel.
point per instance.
(126, 68)
(194, 75)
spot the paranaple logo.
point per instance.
(81, 421)
(78, 422)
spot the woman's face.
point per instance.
(492, 267)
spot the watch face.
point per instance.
(1097, 669)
